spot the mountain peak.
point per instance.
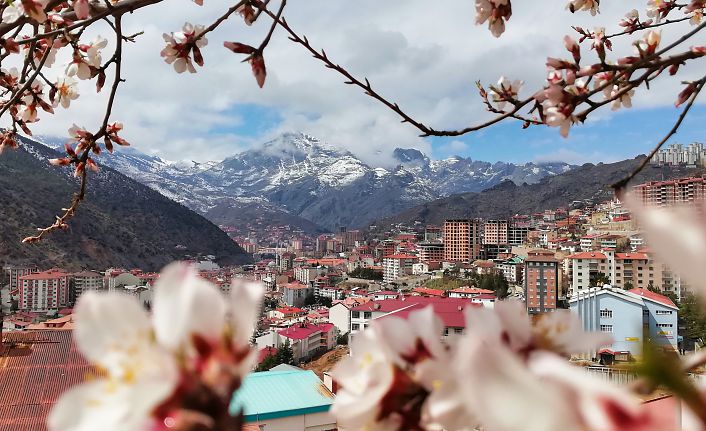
(409, 155)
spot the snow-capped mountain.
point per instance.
(299, 178)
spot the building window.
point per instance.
(368, 315)
(606, 328)
(355, 327)
(664, 325)
(607, 313)
(356, 314)
(663, 312)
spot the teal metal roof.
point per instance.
(278, 394)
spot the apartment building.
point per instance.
(84, 281)
(495, 232)
(541, 282)
(678, 154)
(13, 274)
(430, 251)
(462, 240)
(42, 291)
(396, 266)
(633, 270)
(672, 192)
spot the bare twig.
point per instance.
(620, 185)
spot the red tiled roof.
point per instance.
(386, 292)
(299, 332)
(36, 371)
(265, 352)
(587, 255)
(634, 256)
(388, 305)
(428, 291)
(656, 297)
(45, 275)
(400, 256)
(450, 311)
(471, 290)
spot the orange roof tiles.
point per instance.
(37, 368)
(587, 255)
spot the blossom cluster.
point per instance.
(502, 374)
(175, 368)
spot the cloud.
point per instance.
(424, 58)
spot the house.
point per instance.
(486, 300)
(285, 401)
(286, 312)
(628, 316)
(468, 292)
(425, 291)
(448, 309)
(385, 294)
(65, 323)
(294, 294)
(340, 313)
(306, 339)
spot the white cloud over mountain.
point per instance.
(423, 55)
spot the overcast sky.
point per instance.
(424, 55)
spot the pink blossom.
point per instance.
(591, 6)
(67, 91)
(496, 12)
(181, 45)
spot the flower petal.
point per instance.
(186, 305)
(245, 304)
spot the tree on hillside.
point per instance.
(600, 279)
(366, 273)
(628, 285)
(285, 354)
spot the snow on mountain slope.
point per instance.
(300, 175)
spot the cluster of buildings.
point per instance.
(589, 258)
(693, 154)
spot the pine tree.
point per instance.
(285, 354)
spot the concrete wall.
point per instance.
(309, 422)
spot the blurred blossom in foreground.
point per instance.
(501, 375)
(678, 236)
(175, 369)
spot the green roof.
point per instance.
(278, 394)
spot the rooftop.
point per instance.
(653, 296)
(301, 331)
(279, 394)
(37, 368)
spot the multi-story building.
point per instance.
(284, 261)
(512, 269)
(294, 294)
(495, 232)
(541, 282)
(307, 274)
(433, 233)
(517, 234)
(672, 192)
(396, 266)
(462, 240)
(47, 290)
(430, 252)
(676, 154)
(83, 281)
(628, 316)
(631, 270)
(13, 274)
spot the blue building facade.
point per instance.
(629, 316)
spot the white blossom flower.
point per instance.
(79, 68)
(194, 340)
(505, 90)
(496, 12)
(387, 381)
(32, 8)
(591, 6)
(180, 46)
(114, 332)
(66, 90)
(625, 100)
(659, 9)
(92, 50)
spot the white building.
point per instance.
(397, 265)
